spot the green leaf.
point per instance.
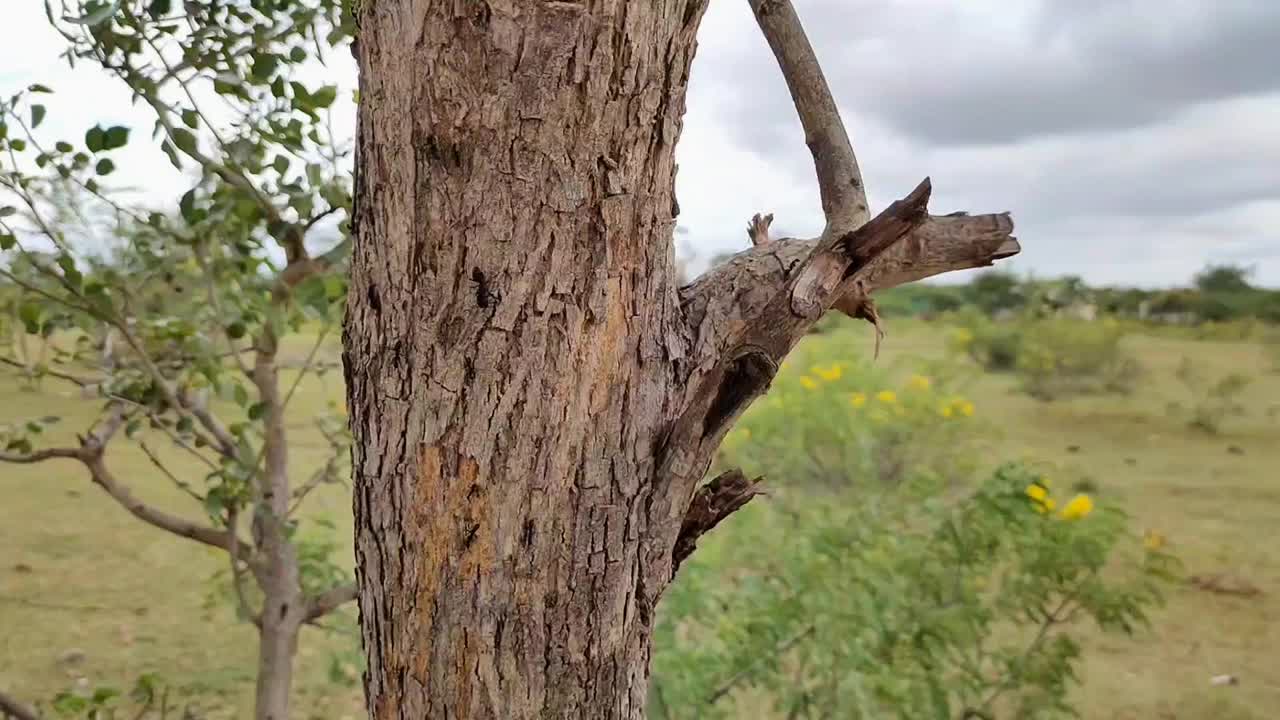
(236, 330)
(68, 704)
(69, 271)
(185, 140)
(7, 241)
(172, 153)
(159, 8)
(257, 411)
(7, 210)
(264, 65)
(30, 314)
(105, 166)
(241, 395)
(297, 54)
(37, 115)
(18, 144)
(63, 146)
(96, 17)
(103, 694)
(91, 185)
(38, 88)
(325, 96)
(116, 136)
(133, 427)
(191, 119)
(281, 164)
(187, 205)
(94, 138)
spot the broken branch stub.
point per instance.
(837, 257)
(714, 502)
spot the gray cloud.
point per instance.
(1133, 140)
(990, 73)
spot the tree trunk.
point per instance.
(509, 346)
(277, 646)
(532, 398)
(283, 606)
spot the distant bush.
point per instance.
(834, 420)
(1209, 401)
(900, 602)
(1053, 357)
(1060, 358)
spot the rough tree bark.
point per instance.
(534, 400)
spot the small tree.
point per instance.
(176, 328)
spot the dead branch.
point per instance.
(714, 502)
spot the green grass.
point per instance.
(132, 598)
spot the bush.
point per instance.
(1063, 357)
(1053, 357)
(830, 422)
(900, 602)
(1209, 401)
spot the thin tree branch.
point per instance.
(237, 573)
(844, 199)
(42, 455)
(328, 601)
(155, 460)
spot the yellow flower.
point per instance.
(1040, 499)
(919, 382)
(858, 399)
(1080, 506)
(808, 382)
(946, 411)
(888, 397)
(830, 374)
(1153, 540)
(966, 408)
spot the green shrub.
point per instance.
(1210, 401)
(1066, 357)
(835, 420)
(1053, 357)
(900, 602)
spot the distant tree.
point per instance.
(995, 290)
(1224, 279)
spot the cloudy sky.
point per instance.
(1134, 140)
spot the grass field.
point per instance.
(77, 573)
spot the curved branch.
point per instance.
(844, 199)
(41, 456)
(328, 601)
